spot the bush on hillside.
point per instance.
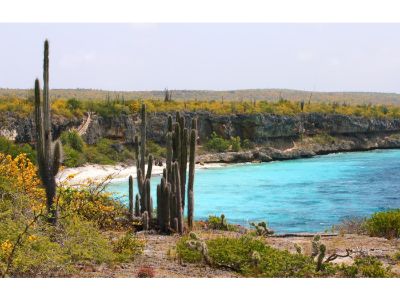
(13, 149)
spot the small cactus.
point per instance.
(321, 256)
(298, 248)
(145, 221)
(193, 235)
(137, 206)
(255, 258)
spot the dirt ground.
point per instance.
(159, 254)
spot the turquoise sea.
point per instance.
(304, 195)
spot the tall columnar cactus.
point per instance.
(144, 202)
(192, 156)
(171, 191)
(48, 152)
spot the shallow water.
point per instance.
(304, 195)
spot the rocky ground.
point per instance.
(159, 255)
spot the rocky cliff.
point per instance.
(22, 129)
(258, 128)
(269, 130)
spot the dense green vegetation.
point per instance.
(105, 151)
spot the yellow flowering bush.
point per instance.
(31, 247)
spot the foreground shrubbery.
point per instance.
(252, 257)
(29, 246)
(369, 267)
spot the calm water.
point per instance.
(299, 195)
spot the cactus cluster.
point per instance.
(143, 200)
(48, 151)
(171, 192)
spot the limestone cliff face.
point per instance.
(259, 128)
(22, 129)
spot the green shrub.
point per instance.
(187, 254)
(396, 256)
(13, 149)
(369, 267)
(235, 143)
(72, 139)
(246, 144)
(217, 143)
(106, 151)
(73, 104)
(39, 256)
(384, 224)
(220, 223)
(250, 257)
(94, 156)
(127, 247)
(84, 243)
(72, 157)
(92, 204)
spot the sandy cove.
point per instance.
(119, 172)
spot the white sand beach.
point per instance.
(118, 172)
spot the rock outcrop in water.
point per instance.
(281, 137)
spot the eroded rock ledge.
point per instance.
(308, 147)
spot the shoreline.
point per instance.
(121, 172)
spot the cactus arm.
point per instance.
(178, 198)
(137, 206)
(149, 167)
(39, 131)
(56, 158)
(131, 204)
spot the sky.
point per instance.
(206, 56)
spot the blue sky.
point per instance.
(321, 57)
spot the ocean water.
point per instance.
(304, 195)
